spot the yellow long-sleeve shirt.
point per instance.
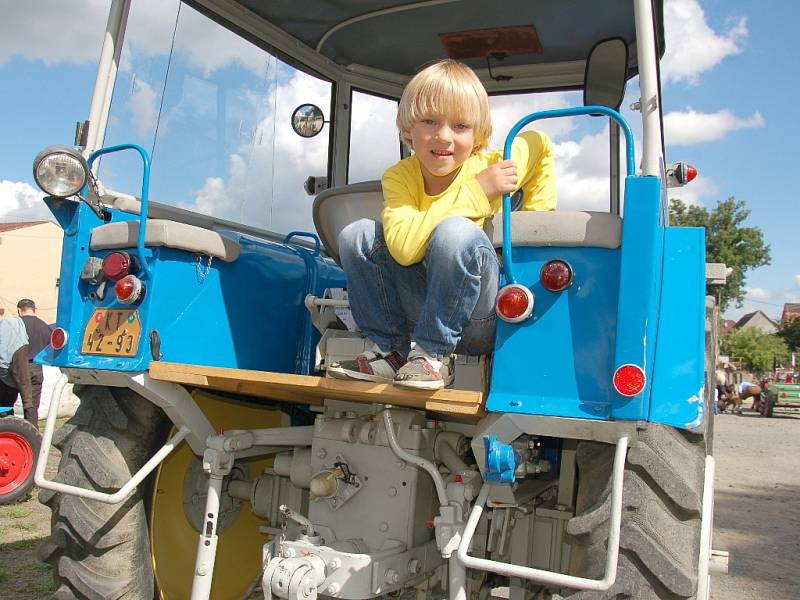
(410, 215)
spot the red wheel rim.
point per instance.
(16, 461)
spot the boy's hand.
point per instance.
(499, 179)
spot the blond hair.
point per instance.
(446, 88)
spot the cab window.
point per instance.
(214, 111)
(374, 140)
(581, 146)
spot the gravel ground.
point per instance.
(757, 516)
(757, 505)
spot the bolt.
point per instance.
(393, 491)
(391, 576)
(322, 453)
(202, 570)
(384, 526)
(334, 564)
(334, 502)
(414, 566)
(288, 552)
(333, 588)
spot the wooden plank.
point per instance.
(307, 389)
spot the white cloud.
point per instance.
(692, 46)
(757, 293)
(53, 31)
(143, 104)
(20, 201)
(693, 191)
(791, 296)
(507, 110)
(582, 174)
(692, 127)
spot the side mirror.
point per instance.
(307, 120)
(606, 73)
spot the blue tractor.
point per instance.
(210, 456)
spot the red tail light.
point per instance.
(514, 303)
(629, 380)
(58, 338)
(129, 289)
(784, 395)
(556, 275)
(117, 265)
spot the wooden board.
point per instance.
(307, 389)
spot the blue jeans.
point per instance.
(445, 301)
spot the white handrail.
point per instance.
(549, 577)
(118, 496)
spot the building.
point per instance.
(30, 261)
(759, 321)
(791, 311)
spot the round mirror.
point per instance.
(606, 69)
(307, 120)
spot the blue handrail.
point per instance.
(305, 234)
(145, 187)
(508, 267)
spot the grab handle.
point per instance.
(145, 194)
(508, 263)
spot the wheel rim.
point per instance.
(16, 461)
(173, 540)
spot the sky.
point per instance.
(205, 103)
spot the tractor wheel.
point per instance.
(661, 518)
(100, 550)
(19, 447)
(145, 547)
(768, 406)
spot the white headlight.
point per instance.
(60, 171)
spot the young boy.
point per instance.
(428, 273)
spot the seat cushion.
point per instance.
(170, 234)
(336, 208)
(566, 228)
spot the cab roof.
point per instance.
(516, 38)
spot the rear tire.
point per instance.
(661, 519)
(100, 551)
(768, 405)
(19, 447)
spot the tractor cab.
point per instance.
(201, 298)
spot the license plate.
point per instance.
(113, 332)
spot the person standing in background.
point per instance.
(38, 339)
(14, 374)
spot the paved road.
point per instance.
(757, 506)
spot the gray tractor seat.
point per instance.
(170, 234)
(336, 208)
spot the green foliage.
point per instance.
(790, 332)
(727, 241)
(756, 350)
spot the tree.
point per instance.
(758, 351)
(727, 241)
(790, 332)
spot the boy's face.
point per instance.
(441, 143)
